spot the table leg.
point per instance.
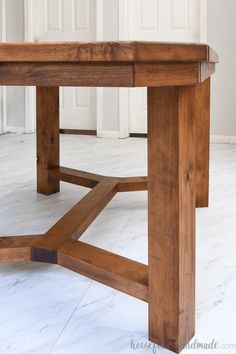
(171, 216)
(202, 110)
(47, 138)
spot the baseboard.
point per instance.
(78, 131)
(14, 130)
(138, 135)
(110, 134)
(223, 139)
(104, 134)
(214, 139)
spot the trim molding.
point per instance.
(123, 92)
(29, 20)
(2, 88)
(106, 134)
(5, 128)
(223, 139)
(214, 139)
(100, 112)
(99, 16)
(30, 110)
(123, 19)
(123, 113)
(99, 95)
(4, 34)
(30, 97)
(138, 135)
(110, 134)
(203, 21)
(14, 130)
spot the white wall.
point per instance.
(222, 37)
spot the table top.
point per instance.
(120, 51)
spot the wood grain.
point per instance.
(80, 217)
(171, 217)
(17, 248)
(166, 74)
(66, 74)
(90, 180)
(47, 126)
(132, 184)
(104, 75)
(122, 51)
(70, 175)
(176, 52)
(200, 109)
(176, 102)
(108, 268)
(206, 71)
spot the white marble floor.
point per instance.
(45, 309)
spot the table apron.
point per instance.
(104, 74)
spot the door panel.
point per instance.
(69, 20)
(158, 20)
(78, 107)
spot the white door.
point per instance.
(158, 20)
(69, 20)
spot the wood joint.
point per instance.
(60, 244)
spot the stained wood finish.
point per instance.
(153, 75)
(90, 180)
(78, 219)
(67, 74)
(17, 248)
(206, 71)
(201, 110)
(126, 51)
(105, 75)
(60, 246)
(47, 126)
(108, 268)
(81, 178)
(105, 64)
(132, 184)
(177, 76)
(171, 217)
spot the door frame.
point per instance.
(2, 96)
(4, 127)
(124, 129)
(30, 96)
(30, 92)
(3, 100)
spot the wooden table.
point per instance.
(178, 80)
